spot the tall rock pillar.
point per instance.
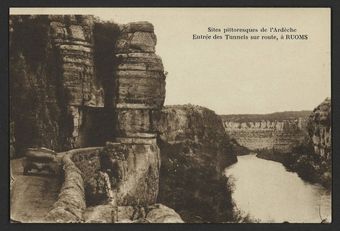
(140, 80)
(134, 159)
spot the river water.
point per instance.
(266, 191)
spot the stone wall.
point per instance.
(135, 204)
(71, 201)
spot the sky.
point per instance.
(234, 76)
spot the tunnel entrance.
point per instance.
(97, 126)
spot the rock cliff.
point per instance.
(312, 159)
(266, 132)
(78, 82)
(93, 91)
(194, 152)
(311, 156)
(53, 82)
(320, 130)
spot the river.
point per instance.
(266, 191)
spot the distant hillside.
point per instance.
(278, 116)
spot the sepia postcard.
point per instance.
(170, 115)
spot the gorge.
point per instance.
(278, 131)
(301, 141)
(92, 93)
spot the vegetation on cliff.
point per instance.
(238, 149)
(72, 76)
(194, 152)
(276, 116)
(34, 111)
(311, 158)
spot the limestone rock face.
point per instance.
(279, 136)
(310, 156)
(72, 37)
(34, 105)
(64, 96)
(314, 156)
(319, 129)
(130, 121)
(194, 152)
(60, 82)
(137, 36)
(198, 125)
(134, 170)
(52, 79)
(140, 79)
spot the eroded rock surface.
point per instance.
(311, 156)
(87, 82)
(52, 80)
(134, 171)
(156, 213)
(319, 129)
(277, 136)
(194, 152)
(137, 63)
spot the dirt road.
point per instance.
(32, 195)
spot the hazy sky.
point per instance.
(235, 76)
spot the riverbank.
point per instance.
(268, 193)
(308, 166)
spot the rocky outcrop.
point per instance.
(314, 156)
(72, 38)
(79, 82)
(133, 167)
(159, 213)
(311, 157)
(34, 105)
(137, 63)
(80, 169)
(52, 79)
(156, 213)
(319, 130)
(278, 136)
(194, 152)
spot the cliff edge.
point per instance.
(195, 150)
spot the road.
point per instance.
(32, 195)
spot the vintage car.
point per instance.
(40, 159)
